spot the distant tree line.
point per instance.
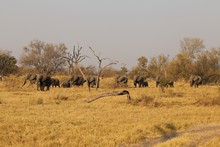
(192, 59)
(41, 57)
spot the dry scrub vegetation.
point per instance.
(60, 117)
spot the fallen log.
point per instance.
(115, 93)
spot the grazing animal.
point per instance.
(195, 81)
(145, 84)
(138, 80)
(121, 81)
(65, 84)
(30, 77)
(55, 82)
(43, 81)
(91, 81)
(170, 83)
(77, 81)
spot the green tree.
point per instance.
(207, 65)
(124, 70)
(183, 65)
(109, 72)
(158, 65)
(142, 62)
(44, 57)
(141, 68)
(191, 46)
(7, 63)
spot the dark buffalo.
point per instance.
(43, 81)
(30, 77)
(55, 82)
(195, 81)
(65, 84)
(138, 80)
(77, 80)
(170, 83)
(91, 81)
(145, 84)
(121, 81)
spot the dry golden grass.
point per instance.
(60, 117)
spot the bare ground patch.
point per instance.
(206, 133)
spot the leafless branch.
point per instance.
(112, 63)
(100, 68)
(98, 57)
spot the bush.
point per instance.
(35, 101)
(144, 100)
(60, 97)
(206, 100)
(171, 93)
(107, 83)
(11, 84)
(167, 130)
(7, 63)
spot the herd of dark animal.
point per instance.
(44, 81)
(140, 81)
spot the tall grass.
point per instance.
(60, 117)
(208, 100)
(35, 101)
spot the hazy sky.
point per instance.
(120, 29)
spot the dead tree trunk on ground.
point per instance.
(115, 93)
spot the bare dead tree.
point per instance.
(100, 67)
(75, 59)
(69, 59)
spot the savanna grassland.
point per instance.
(182, 116)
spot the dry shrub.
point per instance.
(107, 83)
(135, 136)
(171, 93)
(215, 141)
(35, 101)
(145, 100)
(12, 84)
(167, 130)
(61, 97)
(208, 100)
